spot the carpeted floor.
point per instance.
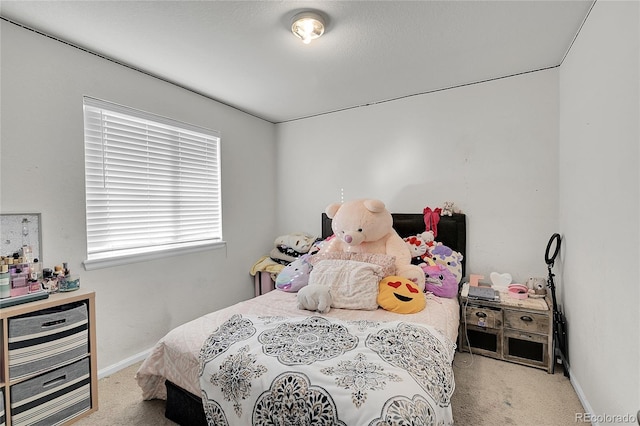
(492, 392)
(488, 393)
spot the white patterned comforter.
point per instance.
(176, 356)
(325, 371)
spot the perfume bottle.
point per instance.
(5, 282)
(27, 254)
(35, 272)
(49, 281)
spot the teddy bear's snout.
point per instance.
(353, 239)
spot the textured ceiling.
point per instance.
(243, 54)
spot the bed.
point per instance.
(264, 361)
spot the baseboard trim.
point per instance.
(581, 396)
(112, 369)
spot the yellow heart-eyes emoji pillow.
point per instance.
(400, 295)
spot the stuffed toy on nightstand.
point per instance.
(366, 226)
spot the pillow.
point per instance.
(352, 284)
(401, 295)
(388, 263)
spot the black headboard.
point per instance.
(452, 230)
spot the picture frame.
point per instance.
(13, 227)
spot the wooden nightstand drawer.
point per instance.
(526, 348)
(526, 321)
(483, 317)
(523, 335)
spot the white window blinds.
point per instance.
(152, 184)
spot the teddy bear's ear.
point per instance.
(374, 206)
(332, 209)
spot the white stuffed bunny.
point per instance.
(314, 297)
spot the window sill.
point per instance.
(125, 259)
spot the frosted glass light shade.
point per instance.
(307, 26)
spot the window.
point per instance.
(152, 185)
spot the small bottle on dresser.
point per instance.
(49, 280)
(5, 282)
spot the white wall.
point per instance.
(491, 148)
(42, 159)
(511, 153)
(599, 213)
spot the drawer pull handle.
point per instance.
(526, 318)
(55, 381)
(481, 314)
(53, 323)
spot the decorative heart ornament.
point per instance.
(500, 280)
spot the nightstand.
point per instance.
(514, 330)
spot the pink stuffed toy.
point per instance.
(440, 281)
(445, 256)
(366, 226)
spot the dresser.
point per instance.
(48, 364)
(514, 330)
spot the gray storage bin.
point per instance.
(2, 413)
(47, 339)
(53, 397)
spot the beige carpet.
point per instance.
(488, 393)
(492, 392)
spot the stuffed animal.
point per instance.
(440, 281)
(290, 247)
(295, 275)
(301, 242)
(447, 209)
(315, 297)
(398, 294)
(443, 255)
(419, 246)
(366, 226)
(428, 238)
(537, 287)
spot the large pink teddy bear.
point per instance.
(366, 226)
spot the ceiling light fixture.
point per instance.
(307, 26)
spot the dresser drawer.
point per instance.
(53, 397)
(483, 317)
(527, 321)
(47, 339)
